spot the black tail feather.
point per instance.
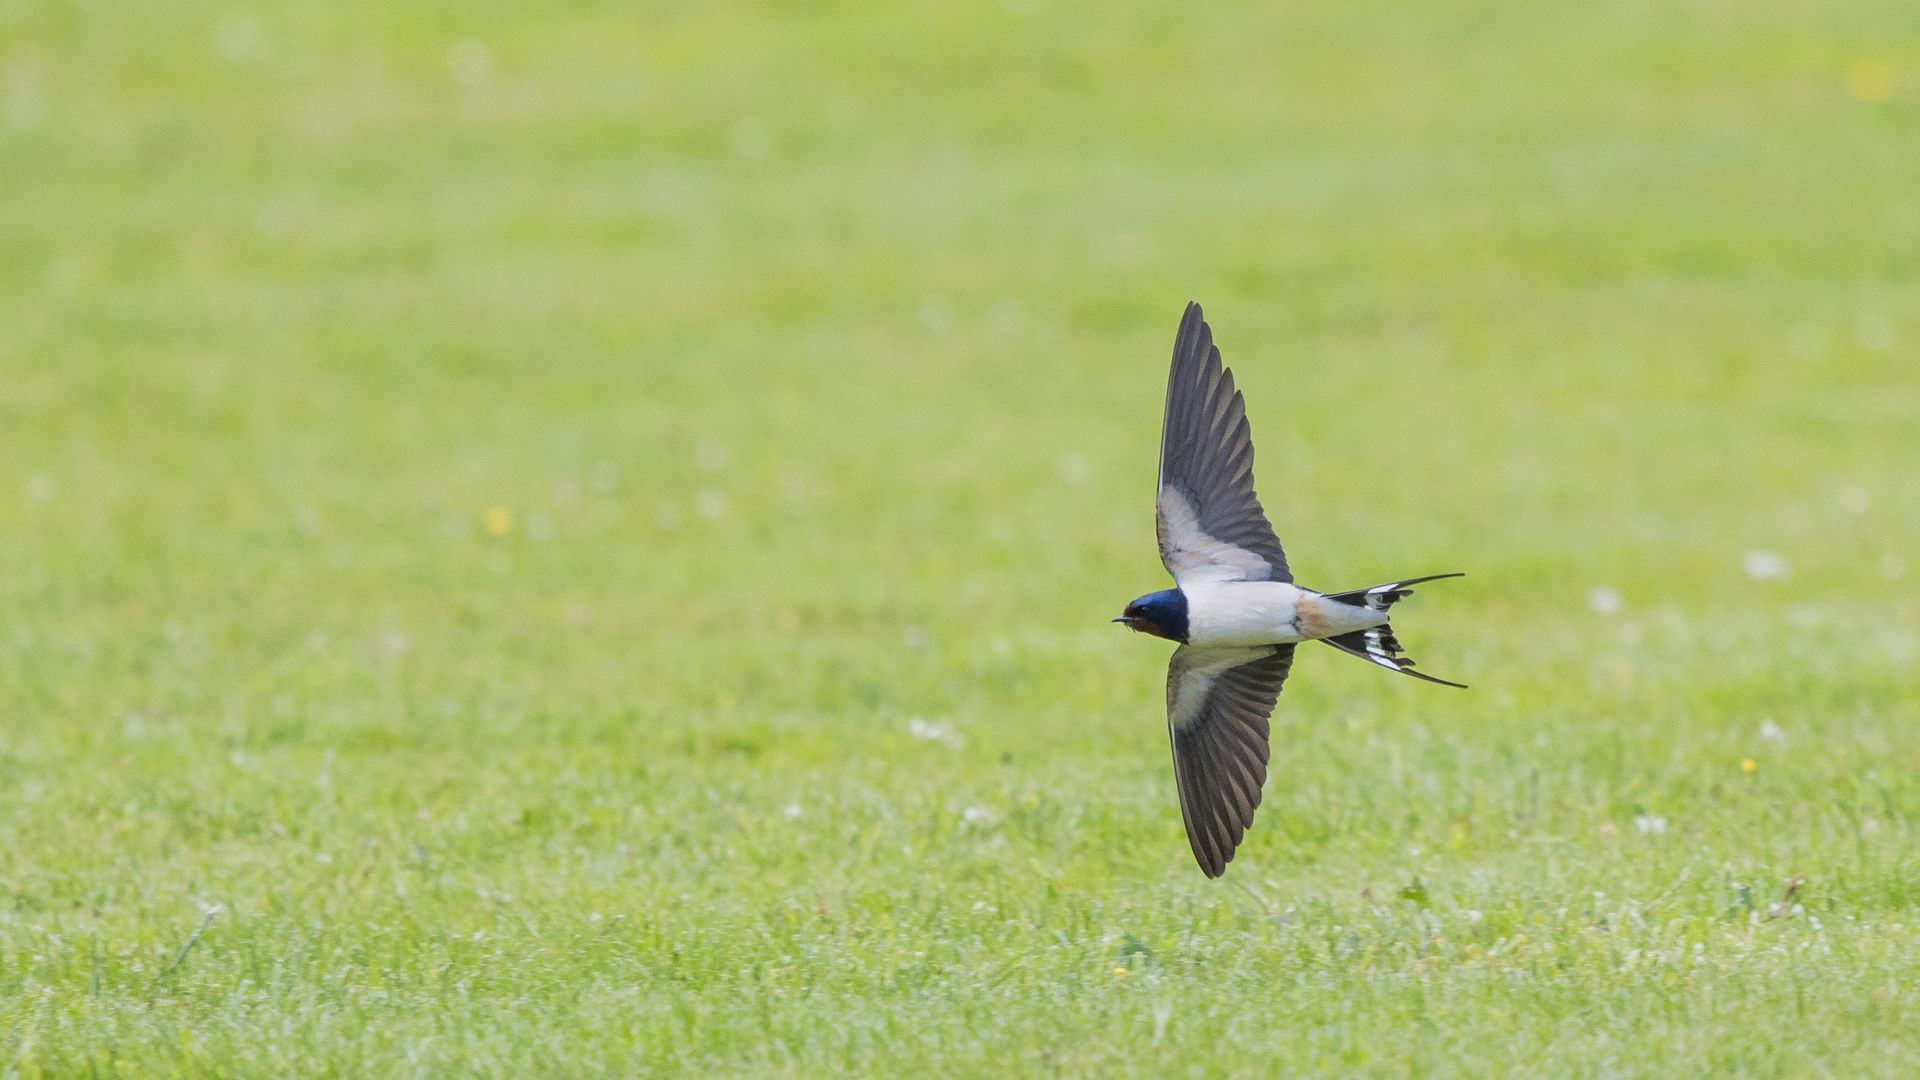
(1377, 645)
(1382, 597)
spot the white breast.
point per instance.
(1229, 613)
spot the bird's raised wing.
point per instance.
(1218, 701)
(1211, 525)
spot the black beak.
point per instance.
(1122, 618)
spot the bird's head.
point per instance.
(1162, 614)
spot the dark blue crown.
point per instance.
(1166, 610)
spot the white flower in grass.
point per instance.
(933, 731)
(1765, 566)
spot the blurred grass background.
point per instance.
(576, 540)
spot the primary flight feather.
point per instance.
(1234, 610)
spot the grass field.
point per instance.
(565, 542)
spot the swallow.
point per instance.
(1234, 610)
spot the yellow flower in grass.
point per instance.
(498, 520)
(1748, 765)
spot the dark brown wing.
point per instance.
(1218, 701)
(1211, 525)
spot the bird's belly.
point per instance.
(1235, 613)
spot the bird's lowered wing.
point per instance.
(1218, 701)
(1210, 522)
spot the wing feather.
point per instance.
(1218, 701)
(1211, 524)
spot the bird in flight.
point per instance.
(1235, 610)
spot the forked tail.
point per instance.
(1377, 645)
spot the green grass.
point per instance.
(811, 356)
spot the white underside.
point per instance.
(1233, 613)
